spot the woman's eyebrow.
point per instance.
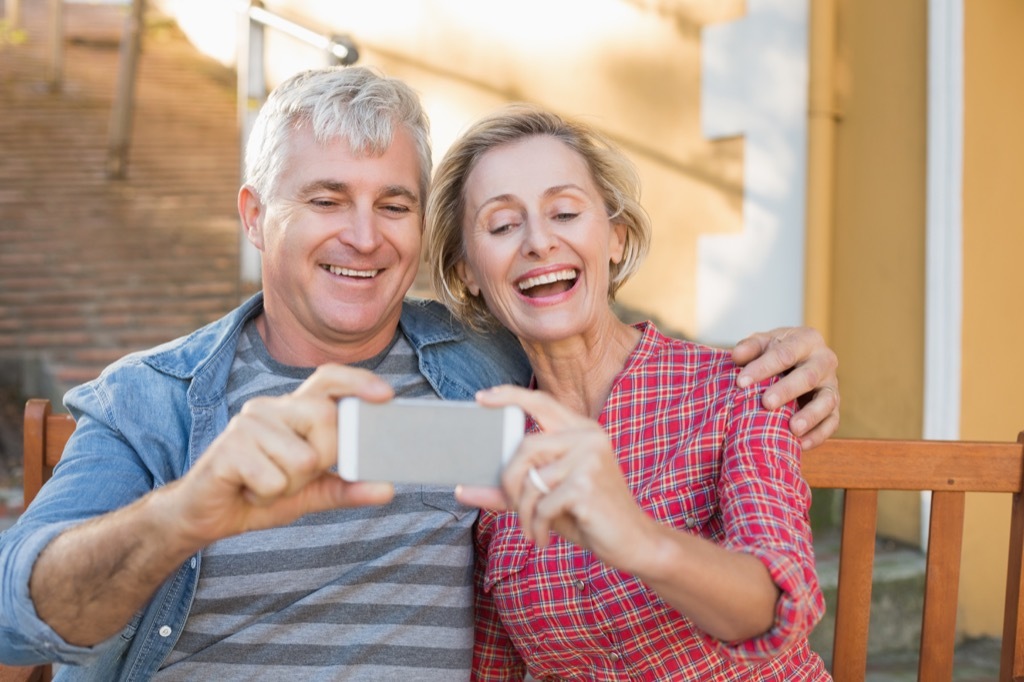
(558, 189)
(498, 199)
(508, 198)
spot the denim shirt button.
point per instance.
(165, 631)
(193, 563)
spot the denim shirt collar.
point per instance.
(204, 357)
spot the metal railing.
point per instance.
(252, 88)
(119, 139)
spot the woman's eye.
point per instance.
(504, 228)
(565, 217)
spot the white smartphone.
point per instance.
(417, 440)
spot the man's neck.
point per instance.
(298, 350)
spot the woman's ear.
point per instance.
(617, 242)
(250, 209)
(466, 275)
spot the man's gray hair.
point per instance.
(353, 103)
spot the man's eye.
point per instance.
(397, 209)
(323, 203)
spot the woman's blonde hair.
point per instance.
(615, 176)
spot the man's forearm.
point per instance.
(89, 581)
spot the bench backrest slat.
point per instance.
(947, 469)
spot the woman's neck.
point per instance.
(580, 371)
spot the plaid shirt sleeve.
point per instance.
(495, 658)
(765, 502)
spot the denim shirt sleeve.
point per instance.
(27, 639)
(138, 426)
(101, 470)
(24, 638)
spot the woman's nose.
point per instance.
(540, 238)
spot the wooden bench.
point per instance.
(860, 468)
(44, 438)
(949, 469)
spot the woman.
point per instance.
(681, 546)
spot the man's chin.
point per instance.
(363, 322)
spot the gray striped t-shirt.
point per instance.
(375, 593)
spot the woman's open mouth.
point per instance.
(548, 284)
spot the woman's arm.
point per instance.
(729, 594)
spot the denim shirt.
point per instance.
(142, 424)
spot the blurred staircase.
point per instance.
(92, 268)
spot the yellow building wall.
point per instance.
(630, 69)
(879, 244)
(992, 406)
(878, 293)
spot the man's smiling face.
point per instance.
(340, 240)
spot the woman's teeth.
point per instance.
(548, 278)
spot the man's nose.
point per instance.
(361, 230)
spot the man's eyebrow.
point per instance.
(338, 187)
(323, 185)
(399, 191)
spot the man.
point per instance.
(194, 530)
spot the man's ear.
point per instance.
(250, 209)
(466, 275)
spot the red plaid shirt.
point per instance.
(698, 454)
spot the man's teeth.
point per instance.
(549, 278)
(348, 272)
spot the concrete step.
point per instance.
(897, 596)
(894, 630)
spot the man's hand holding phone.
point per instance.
(273, 462)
